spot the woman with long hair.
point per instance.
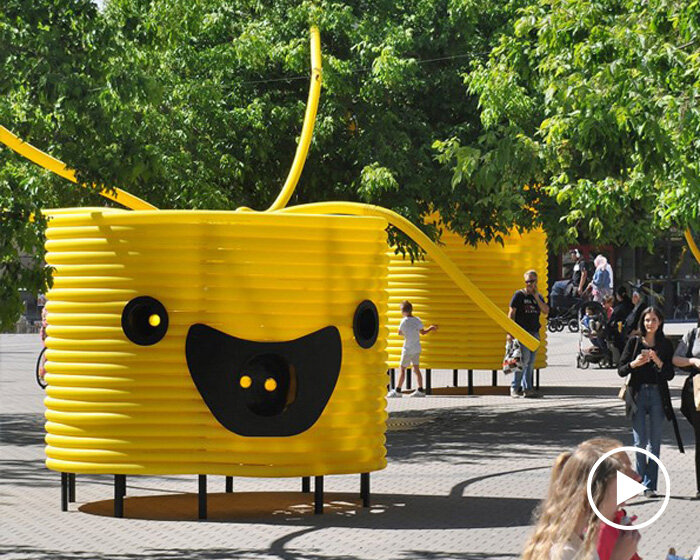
(567, 528)
(647, 359)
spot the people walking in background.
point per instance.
(647, 359)
(411, 328)
(687, 356)
(579, 276)
(608, 304)
(525, 308)
(631, 327)
(601, 284)
(616, 323)
(566, 526)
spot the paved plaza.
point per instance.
(464, 475)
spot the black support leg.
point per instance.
(306, 484)
(229, 484)
(119, 491)
(537, 377)
(428, 381)
(409, 375)
(318, 495)
(470, 382)
(455, 377)
(364, 489)
(392, 375)
(494, 378)
(64, 491)
(202, 496)
(71, 487)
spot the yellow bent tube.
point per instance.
(59, 168)
(308, 127)
(433, 251)
(693, 246)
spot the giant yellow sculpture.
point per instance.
(468, 338)
(234, 343)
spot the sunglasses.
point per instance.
(530, 281)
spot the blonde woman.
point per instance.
(567, 528)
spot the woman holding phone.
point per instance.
(647, 359)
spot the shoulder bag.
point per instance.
(622, 394)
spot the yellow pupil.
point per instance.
(246, 381)
(154, 320)
(270, 384)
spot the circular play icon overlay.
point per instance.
(628, 488)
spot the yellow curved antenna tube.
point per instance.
(692, 245)
(149, 311)
(59, 168)
(468, 338)
(308, 126)
(433, 251)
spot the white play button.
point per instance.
(627, 488)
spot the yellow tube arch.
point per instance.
(59, 168)
(692, 245)
(433, 251)
(308, 126)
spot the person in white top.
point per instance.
(411, 328)
(566, 527)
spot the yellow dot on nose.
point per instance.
(246, 381)
(154, 320)
(270, 384)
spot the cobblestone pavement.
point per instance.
(464, 476)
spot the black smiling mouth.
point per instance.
(264, 388)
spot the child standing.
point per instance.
(410, 328)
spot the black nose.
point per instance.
(266, 382)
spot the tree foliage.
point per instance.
(199, 105)
(597, 100)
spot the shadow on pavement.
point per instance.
(388, 511)
(475, 433)
(277, 550)
(22, 429)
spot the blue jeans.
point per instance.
(523, 379)
(647, 426)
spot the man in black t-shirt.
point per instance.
(525, 308)
(579, 275)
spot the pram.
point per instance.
(595, 345)
(563, 307)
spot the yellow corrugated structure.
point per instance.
(151, 313)
(467, 338)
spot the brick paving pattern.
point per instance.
(464, 475)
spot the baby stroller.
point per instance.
(594, 345)
(563, 307)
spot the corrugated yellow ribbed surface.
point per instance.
(467, 339)
(117, 407)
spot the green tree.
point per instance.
(199, 104)
(596, 100)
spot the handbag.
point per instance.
(690, 393)
(622, 394)
(512, 362)
(690, 397)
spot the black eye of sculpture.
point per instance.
(144, 321)
(365, 325)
